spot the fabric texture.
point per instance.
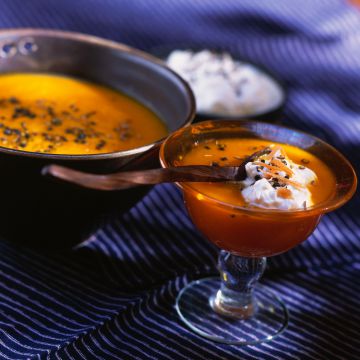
(113, 297)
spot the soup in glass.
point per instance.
(279, 204)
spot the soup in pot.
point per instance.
(55, 114)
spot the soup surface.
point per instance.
(61, 115)
(231, 152)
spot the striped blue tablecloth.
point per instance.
(113, 298)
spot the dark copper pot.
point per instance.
(39, 211)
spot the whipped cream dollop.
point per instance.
(275, 182)
(225, 86)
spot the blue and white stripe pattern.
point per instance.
(113, 297)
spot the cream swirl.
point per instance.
(276, 182)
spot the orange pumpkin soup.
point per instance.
(61, 115)
(252, 233)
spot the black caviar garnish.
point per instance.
(89, 114)
(80, 138)
(50, 111)
(275, 183)
(221, 147)
(14, 100)
(20, 111)
(100, 144)
(125, 136)
(73, 107)
(56, 121)
(124, 130)
(47, 137)
(224, 158)
(54, 138)
(214, 163)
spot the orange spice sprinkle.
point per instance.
(282, 167)
(275, 167)
(270, 167)
(279, 177)
(273, 152)
(284, 193)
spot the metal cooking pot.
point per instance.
(39, 211)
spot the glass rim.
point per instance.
(320, 208)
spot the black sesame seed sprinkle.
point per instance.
(221, 147)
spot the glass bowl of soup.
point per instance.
(86, 103)
(276, 207)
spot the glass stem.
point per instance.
(239, 276)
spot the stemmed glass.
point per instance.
(234, 308)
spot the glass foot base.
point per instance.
(195, 306)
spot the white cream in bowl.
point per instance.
(224, 86)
